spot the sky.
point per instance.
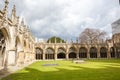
(66, 18)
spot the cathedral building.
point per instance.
(16, 40)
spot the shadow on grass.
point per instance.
(81, 73)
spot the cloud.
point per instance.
(66, 18)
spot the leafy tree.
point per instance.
(55, 39)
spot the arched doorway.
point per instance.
(103, 52)
(39, 54)
(61, 53)
(72, 53)
(82, 52)
(2, 48)
(61, 56)
(118, 52)
(49, 53)
(112, 52)
(93, 52)
(19, 48)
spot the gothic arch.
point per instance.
(93, 52)
(49, 53)
(103, 52)
(72, 52)
(19, 48)
(112, 52)
(4, 40)
(18, 44)
(61, 53)
(39, 53)
(83, 52)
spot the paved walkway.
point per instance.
(11, 69)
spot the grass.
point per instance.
(67, 70)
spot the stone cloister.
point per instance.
(73, 51)
(18, 45)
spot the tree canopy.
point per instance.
(55, 39)
(90, 35)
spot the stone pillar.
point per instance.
(108, 53)
(55, 56)
(78, 55)
(98, 53)
(67, 56)
(43, 55)
(88, 53)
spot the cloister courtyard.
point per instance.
(58, 43)
(95, 69)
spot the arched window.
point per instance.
(49, 53)
(72, 52)
(2, 47)
(93, 52)
(61, 53)
(39, 54)
(82, 52)
(103, 52)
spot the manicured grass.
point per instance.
(67, 70)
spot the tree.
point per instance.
(90, 35)
(55, 39)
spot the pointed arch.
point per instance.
(103, 52)
(72, 52)
(83, 52)
(49, 54)
(112, 52)
(4, 44)
(93, 52)
(39, 53)
(61, 53)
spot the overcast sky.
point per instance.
(66, 18)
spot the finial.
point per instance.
(22, 22)
(77, 40)
(6, 5)
(5, 9)
(14, 10)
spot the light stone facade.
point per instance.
(16, 40)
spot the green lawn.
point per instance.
(90, 70)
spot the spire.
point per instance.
(6, 5)
(5, 10)
(22, 22)
(76, 39)
(14, 10)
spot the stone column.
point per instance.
(88, 53)
(78, 55)
(55, 56)
(98, 53)
(108, 53)
(67, 56)
(43, 55)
